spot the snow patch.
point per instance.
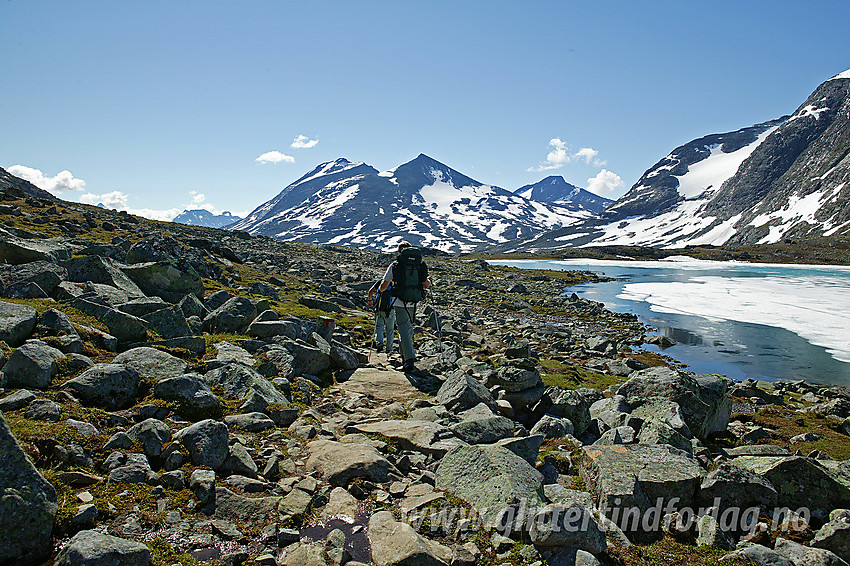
(844, 75)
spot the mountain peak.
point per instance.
(844, 75)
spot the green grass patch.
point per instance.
(788, 424)
(669, 552)
(570, 376)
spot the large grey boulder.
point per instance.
(483, 429)
(92, 548)
(16, 250)
(735, 486)
(339, 463)
(28, 504)
(98, 269)
(758, 554)
(33, 365)
(234, 316)
(394, 543)
(58, 322)
(16, 322)
(806, 556)
(495, 481)
(189, 389)
(417, 435)
(800, 482)
(248, 510)
(568, 524)
(127, 328)
(151, 363)
(570, 404)
(640, 476)
(551, 427)
(16, 279)
(168, 322)
(309, 359)
(110, 386)
(206, 441)
(152, 434)
(238, 381)
(462, 391)
(143, 306)
(136, 470)
(835, 535)
(513, 378)
(161, 279)
(704, 401)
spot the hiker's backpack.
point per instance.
(384, 301)
(408, 274)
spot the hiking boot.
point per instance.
(378, 349)
(408, 366)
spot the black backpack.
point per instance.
(408, 275)
(384, 301)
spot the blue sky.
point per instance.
(167, 105)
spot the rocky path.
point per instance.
(175, 395)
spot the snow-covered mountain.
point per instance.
(555, 189)
(206, 218)
(422, 201)
(787, 178)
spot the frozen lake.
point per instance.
(766, 321)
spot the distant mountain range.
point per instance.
(554, 189)
(206, 218)
(422, 201)
(787, 179)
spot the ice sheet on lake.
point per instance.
(817, 308)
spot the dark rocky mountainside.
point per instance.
(423, 201)
(554, 189)
(9, 181)
(173, 394)
(784, 179)
(200, 217)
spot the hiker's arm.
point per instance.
(384, 285)
(388, 278)
(427, 283)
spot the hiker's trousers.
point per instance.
(405, 331)
(385, 330)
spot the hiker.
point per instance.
(384, 317)
(409, 278)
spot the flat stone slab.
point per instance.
(420, 436)
(382, 385)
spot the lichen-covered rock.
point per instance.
(110, 386)
(97, 269)
(238, 381)
(189, 389)
(513, 378)
(28, 504)
(735, 486)
(234, 316)
(152, 434)
(806, 556)
(33, 365)
(394, 543)
(570, 404)
(703, 398)
(92, 548)
(492, 479)
(161, 279)
(569, 524)
(462, 391)
(206, 442)
(151, 363)
(16, 322)
(339, 463)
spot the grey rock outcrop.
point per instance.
(92, 548)
(16, 322)
(112, 386)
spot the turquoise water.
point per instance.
(763, 321)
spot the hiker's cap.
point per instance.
(404, 244)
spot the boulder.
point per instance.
(251, 422)
(44, 410)
(15, 279)
(92, 548)
(339, 463)
(758, 554)
(33, 365)
(513, 378)
(28, 504)
(136, 470)
(168, 322)
(800, 482)
(151, 363)
(462, 391)
(16, 250)
(570, 404)
(161, 279)
(806, 556)
(703, 398)
(58, 322)
(567, 525)
(110, 386)
(206, 441)
(417, 435)
(152, 434)
(500, 485)
(394, 543)
(97, 269)
(232, 317)
(307, 359)
(143, 306)
(640, 476)
(551, 427)
(190, 390)
(735, 486)
(834, 536)
(483, 429)
(128, 329)
(17, 400)
(238, 381)
(239, 461)
(16, 323)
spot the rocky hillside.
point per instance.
(179, 395)
(422, 201)
(206, 218)
(787, 179)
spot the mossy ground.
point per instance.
(571, 376)
(669, 552)
(787, 424)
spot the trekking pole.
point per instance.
(439, 328)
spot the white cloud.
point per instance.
(62, 181)
(197, 198)
(275, 157)
(303, 142)
(120, 201)
(561, 154)
(605, 182)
